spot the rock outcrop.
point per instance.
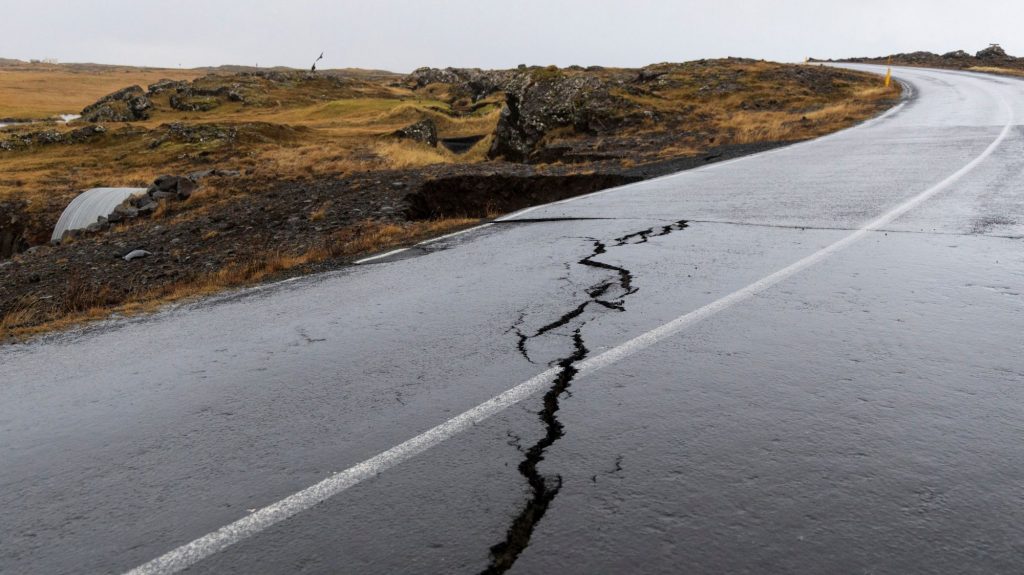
(993, 56)
(472, 83)
(165, 85)
(540, 102)
(537, 100)
(47, 136)
(13, 221)
(424, 131)
(126, 105)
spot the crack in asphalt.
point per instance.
(644, 235)
(543, 490)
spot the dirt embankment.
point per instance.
(298, 172)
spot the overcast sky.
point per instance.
(401, 35)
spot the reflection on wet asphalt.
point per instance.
(861, 415)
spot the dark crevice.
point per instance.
(625, 276)
(566, 318)
(644, 235)
(599, 290)
(477, 195)
(521, 345)
(544, 489)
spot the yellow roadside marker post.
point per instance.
(888, 73)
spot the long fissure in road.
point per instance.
(543, 490)
(188, 554)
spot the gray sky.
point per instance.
(401, 35)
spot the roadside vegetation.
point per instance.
(299, 172)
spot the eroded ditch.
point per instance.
(483, 195)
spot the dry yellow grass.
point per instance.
(43, 91)
(997, 70)
(760, 101)
(748, 126)
(667, 152)
(320, 213)
(336, 137)
(405, 154)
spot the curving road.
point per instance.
(807, 360)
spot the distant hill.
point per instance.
(991, 59)
(223, 69)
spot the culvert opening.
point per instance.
(481, 196)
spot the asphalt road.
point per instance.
(803, 361)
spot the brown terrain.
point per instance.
(993, 60)
(283, 172)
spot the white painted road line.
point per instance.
(381, 256)
(908, 92)
(423, 243)
(193, 552)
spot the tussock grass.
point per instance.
(405, 154)
(997, 70)
(749, 126)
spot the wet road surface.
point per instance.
(802, 361)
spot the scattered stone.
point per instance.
(136, 254)
(192, 133)
(84, 134)
(201, 174)
(47, 137)
(190, 102)
(171, 187)
(147, 208)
